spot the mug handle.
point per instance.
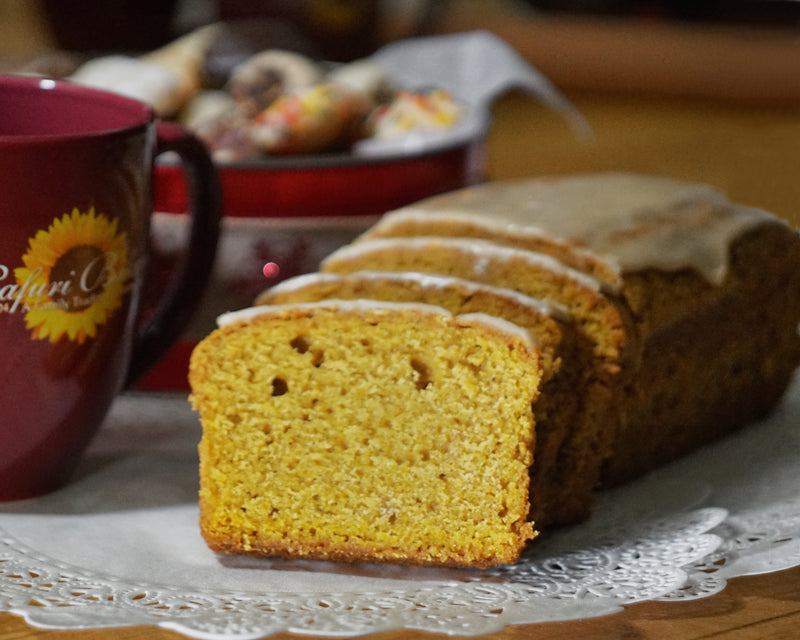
(182, 296)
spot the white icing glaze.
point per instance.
(427, 281)
(298, 282)
(455, 207)
(249, 313)
(505, 326)
(632, 221)
(332, 303)
(481, 251)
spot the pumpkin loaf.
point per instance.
(435, 355)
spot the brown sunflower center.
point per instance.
(78, 277)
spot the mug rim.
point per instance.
(141, 114)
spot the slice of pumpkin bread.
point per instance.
(366, 431)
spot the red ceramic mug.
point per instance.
(75, 209)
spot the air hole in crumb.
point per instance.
(279, 387)
(367, 344)
(300, 344)
(318, 357)
(423, 373)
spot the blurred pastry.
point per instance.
(212, 116)
(414, 111)
(235, 41)
(206, 106)
(265, 77)
(184, 57)
(165, 78)
(135, 78)
(325, 117)
(366, 77)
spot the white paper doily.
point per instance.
(120, 545)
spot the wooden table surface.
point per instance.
(748, 146)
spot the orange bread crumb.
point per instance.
(373, 432)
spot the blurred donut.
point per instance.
(266, 76)
(324, 117)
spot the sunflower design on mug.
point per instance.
(74, 276)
